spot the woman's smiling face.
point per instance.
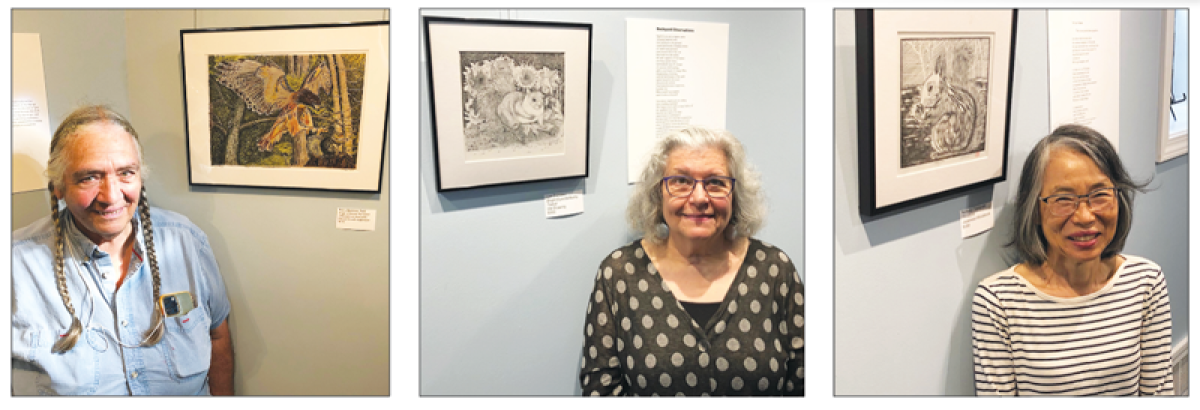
(1084, 234)
(696, 216)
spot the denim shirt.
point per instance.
(108, 359)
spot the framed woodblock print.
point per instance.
(934, 88)
(300, 107)
(509, 100)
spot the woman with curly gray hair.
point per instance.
(697, 306)
(1076, 316)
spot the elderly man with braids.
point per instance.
(87, 279)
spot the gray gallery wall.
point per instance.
(310, 302)
(503, 289)
(904, 282)
(68, 37)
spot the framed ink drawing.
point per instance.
(509, 100)
(300, 107)
(934, 88)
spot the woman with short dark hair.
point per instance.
(1076, 316)
(697, 306)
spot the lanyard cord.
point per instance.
(91, 301)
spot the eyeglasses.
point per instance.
(1099, 200)
(681, 186)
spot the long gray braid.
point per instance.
(67, 342)
(155, 334)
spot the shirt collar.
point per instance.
(89, 248)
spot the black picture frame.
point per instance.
(339, 145)
(510, 100)
(926, 142)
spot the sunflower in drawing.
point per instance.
(265, 89)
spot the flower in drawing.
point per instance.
(526, 76)
(503, 65)
(550, 80)
(470, 115)
(502, 75)
(478, 78)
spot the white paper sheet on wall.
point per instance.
(1085, 69)
(355, 219)
(677, 74)
(30, 115)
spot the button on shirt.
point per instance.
(107, 358)
(640, 341)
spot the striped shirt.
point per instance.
(1116, 341)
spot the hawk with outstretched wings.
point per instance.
(265, 89)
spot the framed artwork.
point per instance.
(1173, 101)
(934, 89)
(301, 107)
(509, 100)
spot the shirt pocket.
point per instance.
(188, 344)
(74, 372)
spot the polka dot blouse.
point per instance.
(640, 341)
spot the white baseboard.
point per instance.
(1179, 366)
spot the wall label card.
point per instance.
(30, 115)
(353, 219)
(677, 74)
(564, 204)
(976, 220)
(1085, 69)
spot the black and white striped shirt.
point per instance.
(1116, 341)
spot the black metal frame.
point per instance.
(864, 29)
(187, 129)
(427, 20)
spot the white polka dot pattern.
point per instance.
(640, 341)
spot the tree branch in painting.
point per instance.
(258, 99)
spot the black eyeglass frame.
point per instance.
(731, 180)
(1078, 199)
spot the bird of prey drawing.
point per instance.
(265, 89)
